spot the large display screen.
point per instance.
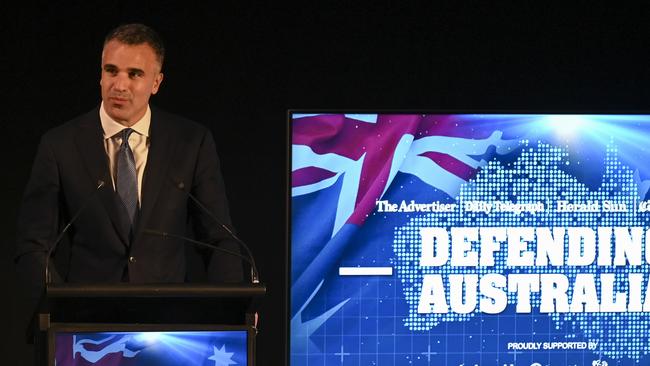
(151, 348)
(469, 239)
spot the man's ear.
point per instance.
(156, 83)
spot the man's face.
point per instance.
(130, 75)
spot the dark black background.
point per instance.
(237, 67)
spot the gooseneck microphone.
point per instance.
(255, 275)
(197, 242)
(48, 277)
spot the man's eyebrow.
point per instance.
(130, 70)
(135, 70)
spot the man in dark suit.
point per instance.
(130, 165)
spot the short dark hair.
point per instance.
(136, 34)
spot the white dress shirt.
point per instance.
(138, 141)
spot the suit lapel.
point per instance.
(90, 144)
(161, 150)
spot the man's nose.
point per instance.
(121, 82)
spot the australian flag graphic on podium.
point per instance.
(351, 284)
(205, 348)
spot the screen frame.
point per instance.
(289, 143)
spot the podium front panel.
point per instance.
(148, 345)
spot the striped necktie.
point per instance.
(127, 180)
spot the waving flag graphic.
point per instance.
(357, 159)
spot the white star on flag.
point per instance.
(221, 357)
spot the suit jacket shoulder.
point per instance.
(69, 128)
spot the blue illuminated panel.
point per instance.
(200, 348)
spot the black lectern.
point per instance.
(122, 308)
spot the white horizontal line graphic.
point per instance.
(365, 271)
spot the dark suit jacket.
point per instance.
(71, 160)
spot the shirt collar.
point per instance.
(112, 127)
